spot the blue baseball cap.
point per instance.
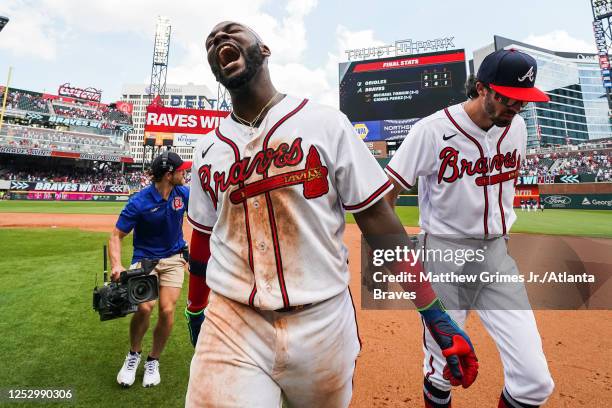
(511, 73)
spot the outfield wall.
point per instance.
(583, 196)
(579, 188)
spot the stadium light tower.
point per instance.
(161, 50)
(602, 28)
(159, 68)
(3, 21)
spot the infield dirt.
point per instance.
(577, 343)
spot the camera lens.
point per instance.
(142, 290)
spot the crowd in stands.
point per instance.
(41, 138)
(77, 112)
(32, 102)
(594, 162)
(25, 101)
(535, 165)
(76, 175)
(100, 113)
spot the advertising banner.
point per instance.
(35, 117)
(550, 179)
(61, 120)
(578, 201)
(25, 150)
(70, 155)
(180, 125)
(68, 187)
(51, 196)
(185, 139)
(89, 94)
(374, 130)
(125, 107)
(524, 193)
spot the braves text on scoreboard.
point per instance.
(384, 97)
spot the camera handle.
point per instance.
(147, 266)
(105, 264)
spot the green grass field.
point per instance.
(592, 223)
(52, 338)
(61, 207)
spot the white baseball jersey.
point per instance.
(466, 175)
(274, 199)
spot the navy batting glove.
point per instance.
(462, 364)
(194, 323)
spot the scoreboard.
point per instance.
(384, 97)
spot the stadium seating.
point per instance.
(42, 138)
(568, 162)
(25, 102)
(136, 180)
(35, 102)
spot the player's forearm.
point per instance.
(380, 220)
(391, 196)
(382, 230)
(197, 297)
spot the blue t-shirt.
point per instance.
(157, 223)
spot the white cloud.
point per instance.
(50, 25)
(348, 39)
(286, 37)
(345, 40)
(303, 82)
(561, 40)
(29, 32)
(321, 83)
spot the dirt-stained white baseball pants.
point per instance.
(251, 358)
(504, 311)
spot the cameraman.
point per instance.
(156, 216)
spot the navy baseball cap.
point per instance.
(511, 73)
(168, 161)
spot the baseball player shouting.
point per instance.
(467, 158)
(268, 196)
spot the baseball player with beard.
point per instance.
(268, 199)
(467, 159)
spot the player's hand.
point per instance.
(194, 324)
(462, 364)
(116, 272)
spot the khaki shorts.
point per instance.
(169, 271)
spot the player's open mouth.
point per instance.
(227, 55)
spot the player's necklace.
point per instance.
(252, 123)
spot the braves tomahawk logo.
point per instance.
(313, 177)
(530, 74)
(456, 168)
(177, 203)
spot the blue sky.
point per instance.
(106, 43)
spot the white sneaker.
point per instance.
(127, 375)
(151, 374)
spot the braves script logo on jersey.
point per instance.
(313, 176)
(459, 167)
